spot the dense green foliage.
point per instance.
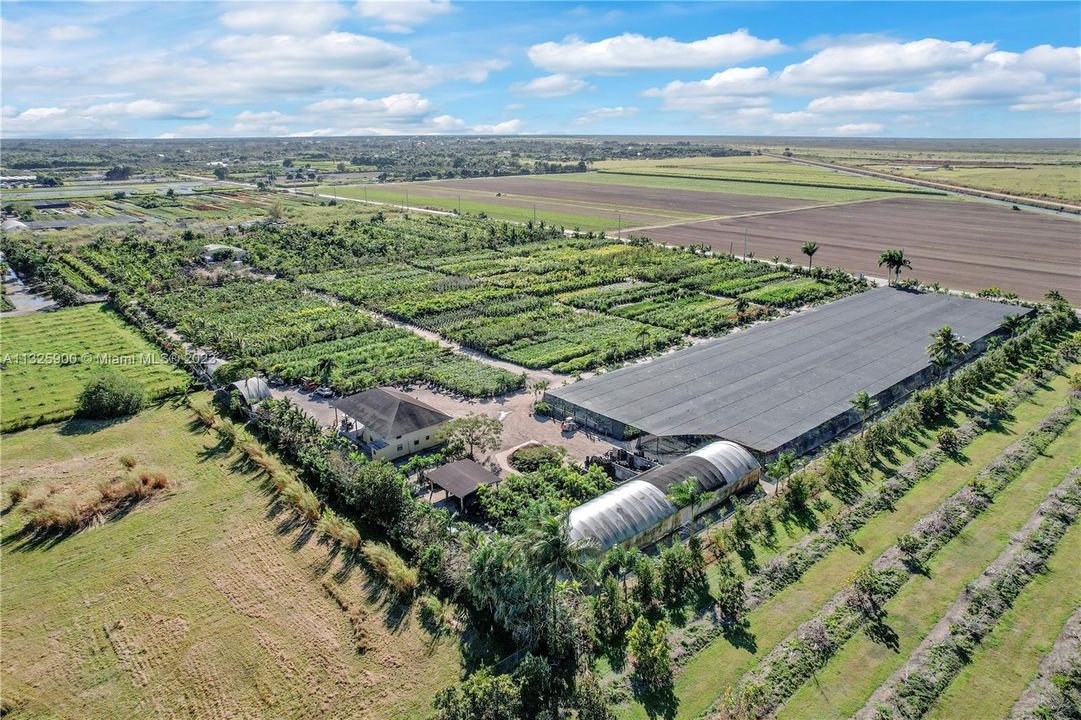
(109, 394)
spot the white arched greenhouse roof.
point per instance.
(620, 514)
(716, 466)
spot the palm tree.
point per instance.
(551, 554)
(325, 367)
(687, 493)
(783, 466)
(894, 260)
(809, 249)
(864, 405)
(1055, 297)
(1012, 324)
(946, 347)
(539, 387)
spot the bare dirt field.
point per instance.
(963, 245)
(631, 200)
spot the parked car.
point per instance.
(308, 385)
(325, 392)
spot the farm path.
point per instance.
(24, 300)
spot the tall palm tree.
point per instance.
(1054, 297)
(549, 550)
(687, 493)
(894, 260)
(809, 249)
(864, 405)
(946, 347)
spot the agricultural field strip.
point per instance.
(1010, 655)
(790, 664)
(697, 684)
(1013, 566)
(852, 675)
(290, 334)
(53, 354)
(498, 302)
(450, 191)
(1066, 647)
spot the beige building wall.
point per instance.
(407, 444)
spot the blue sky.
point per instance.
(208, 69)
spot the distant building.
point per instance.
(388, 424)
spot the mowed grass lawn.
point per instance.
(397, 196)
(844, 685)
(1010, 656)
(721, 664)
(49, 356)
(204, 601)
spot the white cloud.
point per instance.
(637, 52)
(506, 127)
(149, 109)
(1064, 61)
(54, 122)
(606, 113)
(67, 33)
(11, 31)
(305, 18)
(887, 63)
(556, 85)
(255, 68)
(401, 16)
(868, 128)
(734, 87)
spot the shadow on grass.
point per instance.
(659, 701)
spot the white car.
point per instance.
(324, 392)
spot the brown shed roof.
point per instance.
(462, 478)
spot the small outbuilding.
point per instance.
(390, 424)
(460, 479)
(640, 513)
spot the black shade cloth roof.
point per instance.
(768, 385)
(461, 478)
(388, 412)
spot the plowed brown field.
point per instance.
(964, 245)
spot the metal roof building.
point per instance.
(785, 384)
(639, 512)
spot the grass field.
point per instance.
(720, 664)
(1010, 656)
(396, 195)
(850, 677)
(204, 601)
(748, 169)
(1048, 182)
(809, 193)
(48, 357)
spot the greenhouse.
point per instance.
(784, 384)
(639, 511)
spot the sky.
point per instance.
(247, 69)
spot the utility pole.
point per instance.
(744, 243)
(459, 203)
(405, 208)
(619, 226)
(534, 213)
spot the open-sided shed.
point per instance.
(460, 479)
